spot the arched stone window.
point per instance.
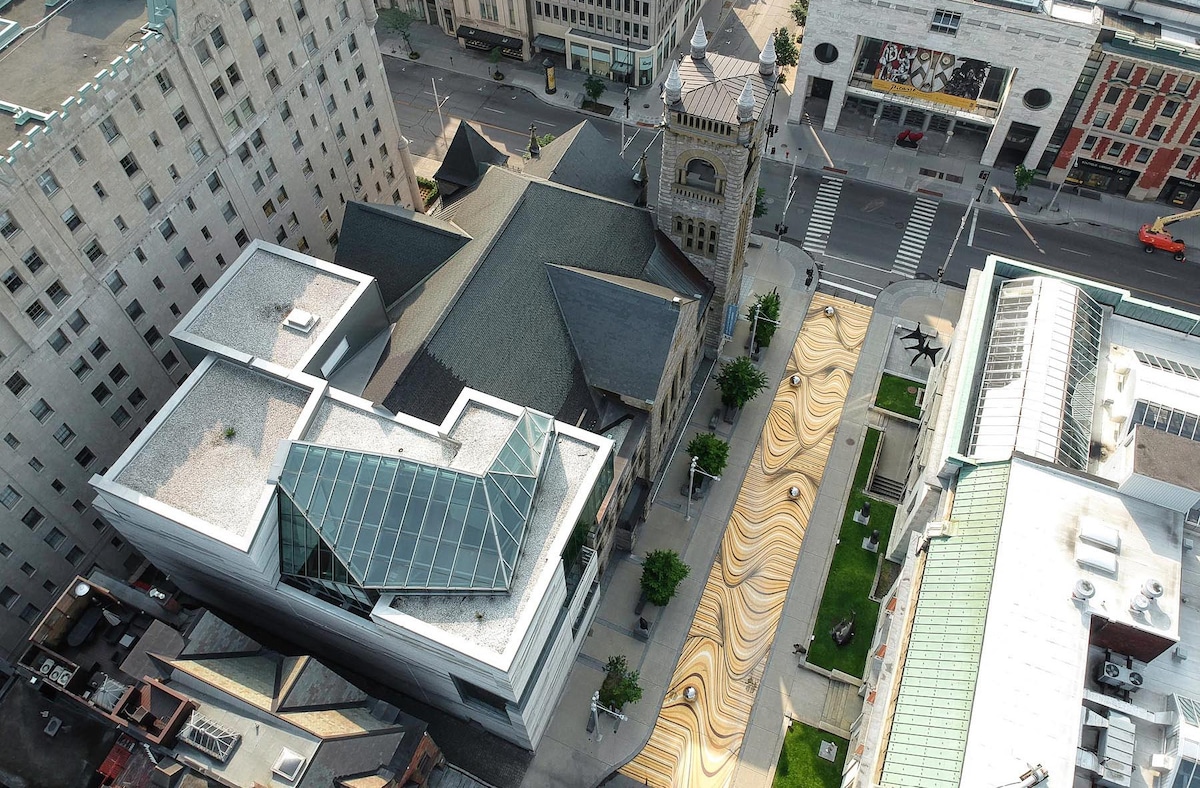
(697, 236)
(701, 174)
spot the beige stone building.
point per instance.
(149, 146)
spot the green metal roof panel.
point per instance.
(928, 736)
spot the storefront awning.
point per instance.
(488, 38)
(550, 44)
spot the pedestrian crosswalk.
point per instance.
(824, 208)
(908, 256)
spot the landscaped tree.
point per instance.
(760, 203)
(1024, 177)
(799, 11)
(786, 53)
(768, 307)
(740, 382)
(711, 453)
(400, 22)
(494, 56)
(662, 573)
(594, 87)
(620, 685)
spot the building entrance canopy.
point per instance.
(487, 40)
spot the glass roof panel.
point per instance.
(406, 526)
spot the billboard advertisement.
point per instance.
(927, 74)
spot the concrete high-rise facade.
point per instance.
(199, 126)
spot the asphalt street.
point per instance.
(870, 221)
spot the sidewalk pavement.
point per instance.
(861, 159)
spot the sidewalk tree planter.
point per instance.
(799, 11)
(429, 190)
(620, 685)
(786, 52)
(711, 453)
(400, 22)
(760, 203)
(494, 56)
(740, 382)
(768, 310)
(1024, 178)
(662, 572)
(594, 87)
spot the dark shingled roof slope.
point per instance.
(397, 246)
(467, 158)
(619, 354)
(585, 160)
(505, 333)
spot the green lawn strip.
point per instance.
(799, 764)
(851, 576)
(893, 396)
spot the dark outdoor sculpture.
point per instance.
(843, 631)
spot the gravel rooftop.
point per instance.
(190, 464)
(247, 313)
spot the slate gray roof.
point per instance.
(467, 158)
(711, 86)
(583, 159)
(371, 235)
(489, 318)
(617, 354)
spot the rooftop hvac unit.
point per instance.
(1139, 604)
(1152, 589)
(1117, 675)
(300, 320)
(1084, 590)
(60, 676)
(46, 667)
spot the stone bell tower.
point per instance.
(715, 122)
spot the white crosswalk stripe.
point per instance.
(824, 209)
(908, 256)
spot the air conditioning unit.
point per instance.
(46, 667)
(1116, 675)
(56, 675)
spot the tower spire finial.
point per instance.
(745, 104)
(699, 41)
(674, 85)
(767, 58)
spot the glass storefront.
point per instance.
(1107, 178)
(581, 59)
(645, 70)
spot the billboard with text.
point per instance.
(927, 74)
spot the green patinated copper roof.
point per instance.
(933, 706)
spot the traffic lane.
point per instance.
(1157, 277)
(774, 181)
(870, 223)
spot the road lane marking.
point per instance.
(993, 232)
(825, 274)
(1073, 251)
(1160, 273)
(971, 234)
(545, 123)
(856, 262)
(497, 111)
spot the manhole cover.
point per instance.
(849, 441)
(901, 225)
(645, 106)
(770, 201)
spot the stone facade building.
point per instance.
(199, 127)
(975, 71)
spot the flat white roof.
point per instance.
(192, 463)
(246, 310)
(1034, 659)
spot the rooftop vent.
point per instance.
(1084, 590)
(1139, 603)
(1095, 558)
(288, 764)
(1095, 532)
(1152, 589)
(299, 320)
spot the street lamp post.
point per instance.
(757, 316)
(693, 469)
(1050, 205)
(786, 206)
(973, 205)
(596, 709)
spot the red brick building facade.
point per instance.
(1137, 133)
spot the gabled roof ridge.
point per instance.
(407, 215)
(643, 286)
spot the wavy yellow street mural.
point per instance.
(696, 743)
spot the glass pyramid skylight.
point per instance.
(398, 525)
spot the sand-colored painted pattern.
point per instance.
(697, 743)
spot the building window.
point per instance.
(167, 228)
(137, 398)
(118, 375)
(184, 258)
(1143, 156)
(1128, 125)
(481, 698)
(1183, 84)
(48, 183)
(54, 538)
(120, 416)
(134, 310)
(1116, 149)
(74, 555)
(152, 336)
(9, 497)
(64, 435)
(1124, 70)
(37, 312)
(12, 280)
(85, 457)
(1185, 162)
(101, 393)
(202, 51)
(98, 349)
(13, 441)
(17, 384)
(1157, 131)
(77, 154)
(1101, 119)
(108, 127)
(77, 322)
(945, 22)
(228, 212)
(57, 293)
(36, 464)
(170, 361)
(1155, 76)
(59, 341)
(8, 597)
(8, 227)
(1141, 101)
(93, 250)
(1170, 108)
(1111, 95)
(260, 46)
(32, 260)
(32, 518)
(41, 410)
(71, 219)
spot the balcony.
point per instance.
(699, 195)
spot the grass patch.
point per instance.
(893, 395)
(801, 767)
(851, 577)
